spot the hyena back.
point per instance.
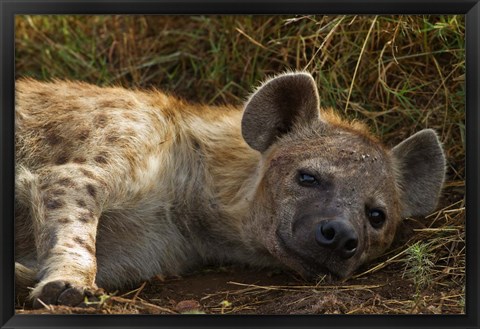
(114, 186)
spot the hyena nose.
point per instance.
(337, 235)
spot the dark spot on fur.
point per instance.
(62, 159)
(87, 173)
(65, 182)
(91, 190)
(101, 158)
(196, 145)
(81, 203)
(57, 192)
(90, 249)
(84, 244)
(64, 220)
(92, 237)
(68, 245)
(52, 138)
(75, 255)
(79, 240)
(112, 138)
(83, 135)
(53, 204)
(79, 160)
(101, 120)
(86, 218)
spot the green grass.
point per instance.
(419, 266)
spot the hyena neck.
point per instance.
(229, 165)
(230, 172)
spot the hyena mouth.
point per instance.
(306, 265)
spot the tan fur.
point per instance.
(114, 186)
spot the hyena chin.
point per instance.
(114, 186)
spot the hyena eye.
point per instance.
(307, 179)
(376, 217)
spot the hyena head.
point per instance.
(331, 196)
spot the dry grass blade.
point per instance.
(140, 304)
(381, 265)
(305, 287)
(325, 41)
(358, 62)
(252, 40)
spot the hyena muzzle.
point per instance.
(115, 186)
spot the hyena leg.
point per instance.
(66, 206)
(24, 278)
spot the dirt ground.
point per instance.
(231, 290)
(382, 287)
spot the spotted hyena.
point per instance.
(114, 186)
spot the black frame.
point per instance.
(10, 8)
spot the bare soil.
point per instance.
(232, 290)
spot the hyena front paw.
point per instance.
(61, 292)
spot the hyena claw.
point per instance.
(60, 292)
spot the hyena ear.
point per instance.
(277, 106)
(419, 164)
